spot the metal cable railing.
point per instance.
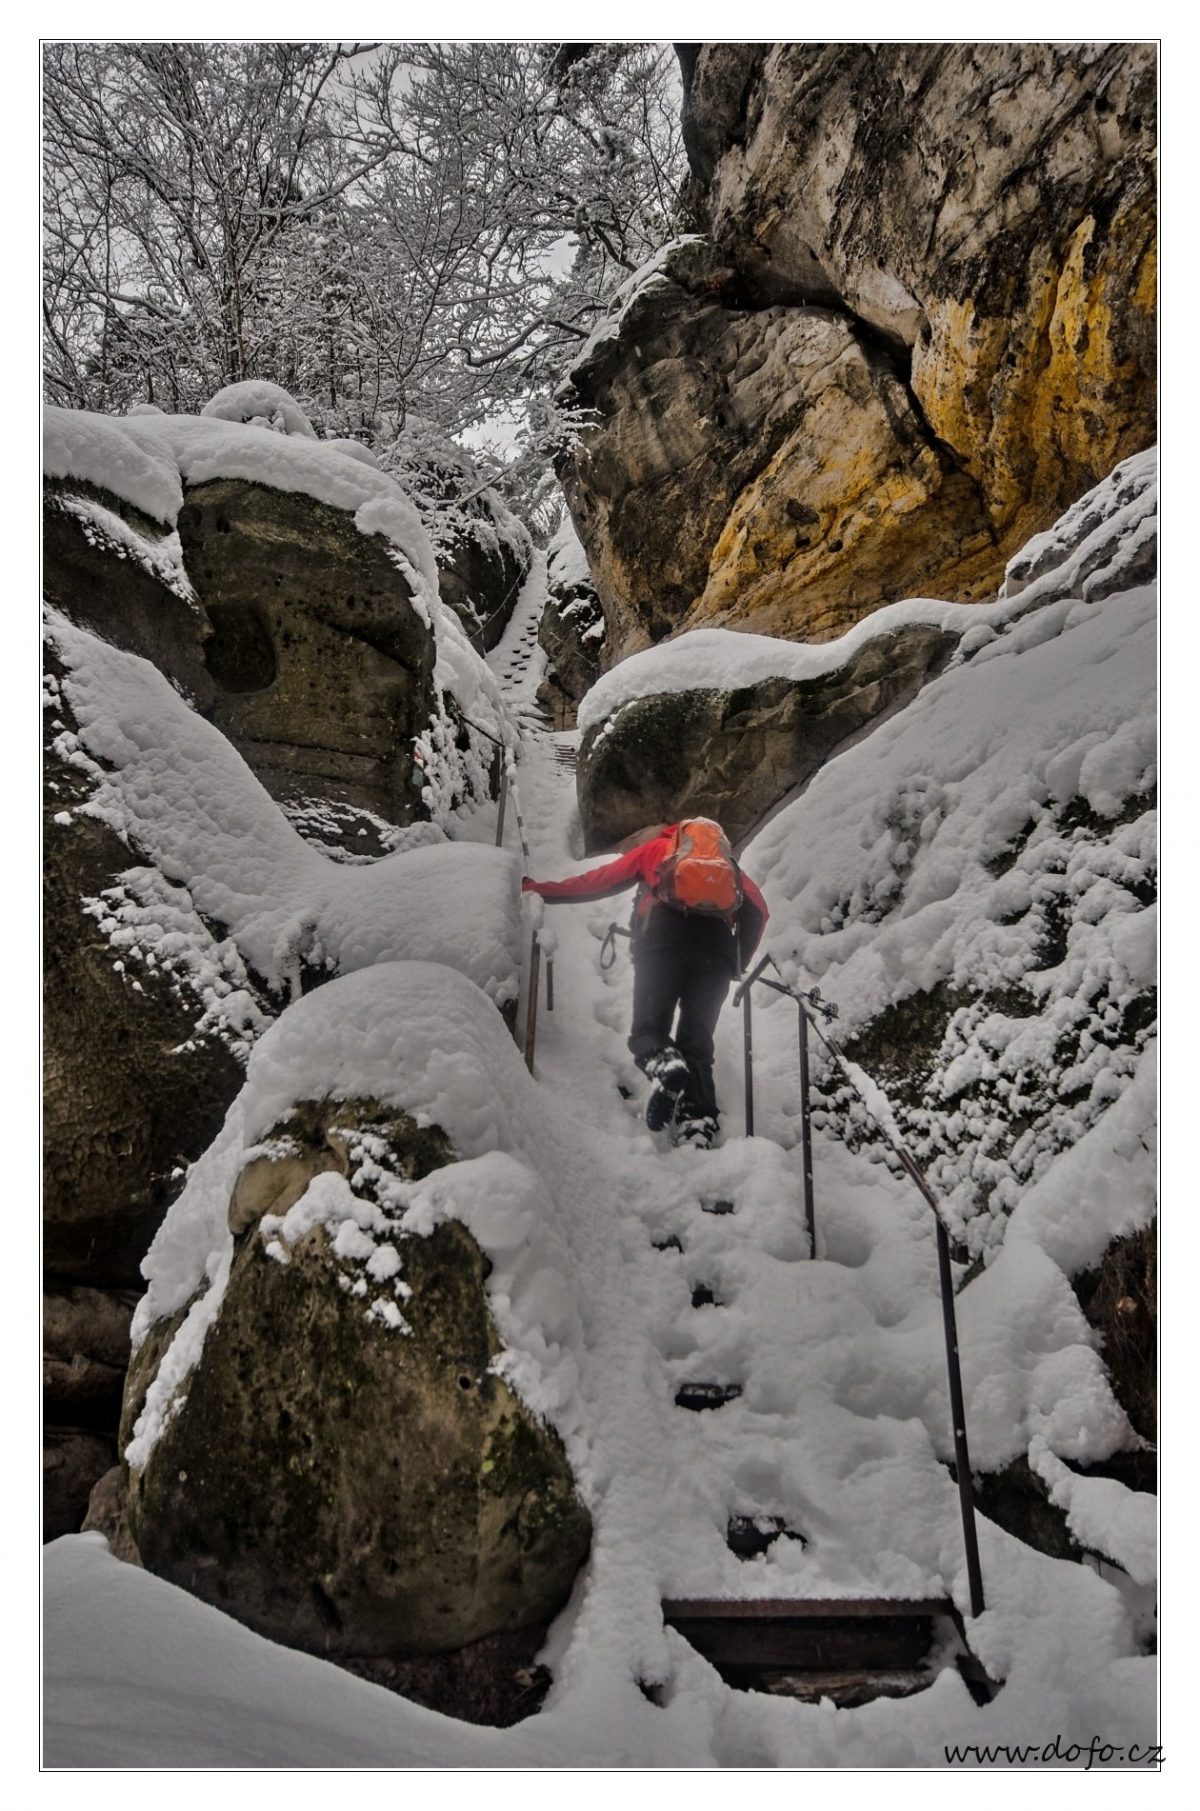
(811, 1008)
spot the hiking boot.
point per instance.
(668, 1071)
(699, 1133)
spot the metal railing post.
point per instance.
(808, 1003)
(806, 1150)
(535, 964)
(958, 1411)
(748, 1061)
(503, 800)
(535, 945)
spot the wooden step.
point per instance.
(849, 1689)
(848, 1649)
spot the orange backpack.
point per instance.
(698, 872)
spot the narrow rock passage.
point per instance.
(758, 1446)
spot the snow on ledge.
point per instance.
(146, 460)
(1082, 556)
(725, 659)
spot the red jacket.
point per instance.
(642, 864)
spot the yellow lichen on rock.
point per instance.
(1045, 401)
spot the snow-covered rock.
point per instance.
(974, 885)
(148, 1013)
(292, 592)
(150, 768)
(725, 725)
(379, 1487)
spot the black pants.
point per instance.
(691, 971)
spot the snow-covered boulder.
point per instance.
(571, 629)
(379, 1488)
(725, 725)
(322, 665)
(356, 449)
(292, 593)
(146, 1019)
(111, 558)
(181, 909)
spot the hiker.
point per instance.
(696, 919)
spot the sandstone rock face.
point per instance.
(108, 1514)
(763, 466)
(571, 630)
(988, 207)
(322, 669)
(85, 1349)
(374, 1489)
(279, 620)
(734, 754)
(72, 1461)
(924, 323)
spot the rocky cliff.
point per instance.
(920, 321)
(242, 612)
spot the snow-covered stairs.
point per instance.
(518, 660)
(848, 1650)
(776, 1570)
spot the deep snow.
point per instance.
(843, 1424)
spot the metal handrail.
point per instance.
(810, 1005)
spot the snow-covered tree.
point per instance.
(381, 229)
